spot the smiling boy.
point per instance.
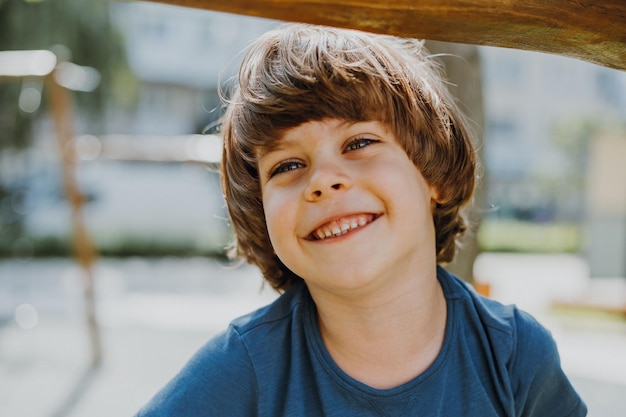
(346, 165)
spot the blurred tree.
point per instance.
(79, 31)
(573, 136)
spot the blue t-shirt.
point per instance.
(495, 361)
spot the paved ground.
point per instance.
(156, 313)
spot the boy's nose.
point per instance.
(325, 180)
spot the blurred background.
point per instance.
(122, 160)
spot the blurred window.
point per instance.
(502, 130)
(507, 72)
(608, 87)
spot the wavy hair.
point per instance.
(300, 73)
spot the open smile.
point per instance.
(341, 226)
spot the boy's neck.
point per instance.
(390, 338)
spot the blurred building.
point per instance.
(539, 109)
(606, 206)
(546, 117)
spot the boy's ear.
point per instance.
(435, 198)
(435, 195)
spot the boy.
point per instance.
(345, 166)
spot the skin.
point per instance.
(381, 309)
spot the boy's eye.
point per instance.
(285, 167)
(359, 143)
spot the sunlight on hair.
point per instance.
(26, 316)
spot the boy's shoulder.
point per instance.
(222, 376)
(512, 332)
(517, 350)
(279, 311)
(498, 317)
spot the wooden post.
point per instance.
(60, 105)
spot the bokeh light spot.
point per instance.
(88, 147)
(207, 148)
(26, 63)
(30, 99)
(26, 316)
(76, 77)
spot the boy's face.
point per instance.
(346, 209)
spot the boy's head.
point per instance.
(303, 73)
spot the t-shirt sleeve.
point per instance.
(540, 386)
(218, 381)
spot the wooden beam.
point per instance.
(592, 30)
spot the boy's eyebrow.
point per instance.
(283, 142)
(263, 151)
(271, 147)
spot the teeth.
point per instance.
(342, 226)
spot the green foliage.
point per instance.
(573, 135)
(79, 31)
(519, 236)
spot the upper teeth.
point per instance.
(341, 226)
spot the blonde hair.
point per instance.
(301, 73)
